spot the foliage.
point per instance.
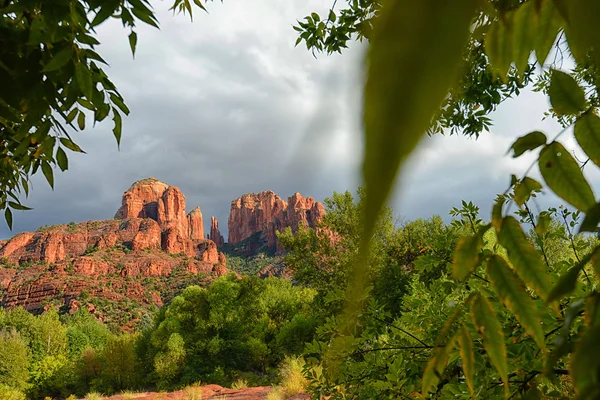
(520, 304)
(14, 361)
(52, 77)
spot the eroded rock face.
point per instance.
(195, 224)
(215, 234)
(267, 213)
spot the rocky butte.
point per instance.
(150, 237)
(266, 213)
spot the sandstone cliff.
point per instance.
(266, 213)
(150, 237)
(215, 233)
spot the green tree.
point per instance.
(14, 360)
(53, 81)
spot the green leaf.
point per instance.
(567, 282)
(563, 175)
(118, 125)
(72, 115)
(497, 213)
(582, 32)
(84, 79)
(332, 17)
(548, 26)
(118, 101)
(18, 206)
(61, 159)
(466, 256)
(69, 144)
(524, 188)
(8, 217)
(587, 133)
(566, 96)
(132, 42)
(107, 9)
(543, 224)
(435, 366)
(467, 355)
(81, 120)
(145, 16)
(585, 364)
(512, 293)
(524, 257)
(528, 142)
(490, 330)
(592, 219)
(59, 59)
(399, 103)
(48, 173)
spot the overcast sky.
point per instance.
(227, 105)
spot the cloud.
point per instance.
(227, 105)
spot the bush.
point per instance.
(193, 392)
(8, 393)
(239, 384)
(293, 381)
(93, 396)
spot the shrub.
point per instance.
(293, 381)
(93, 396)
(239, 384)
(193, 392)
(8, 393)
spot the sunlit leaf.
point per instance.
(512, 293)
(566, 283)
(490, 330)
(531, 141)
(524, 257)
(582, 32)
(563, 175)
(549, 24)
(524, 188)
(466, 255)
(587, 133)
(467, 355)
(543, 224)
(566, 96)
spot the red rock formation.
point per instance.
(151, 198)
(195, 224)
(215, 234)
(210, 253)
(267, 213)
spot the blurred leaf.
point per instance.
(466, 255)
(531, 141)
(512, 293)
(587, 133)
(566, 96)
(59, 59)
(585, 364)
(467, 355)
(524, 257)
(436, 364)
(490, 330)
(582, 33)
(524, 188)
(592, 219)
(398, 103)
(543, 224)
(563, 175)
